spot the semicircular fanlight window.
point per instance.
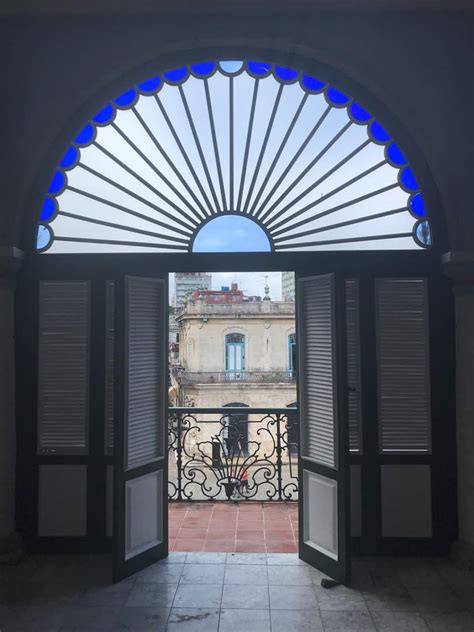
(310, 166)
(231, 233)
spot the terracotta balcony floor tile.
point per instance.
(220, 546)
(244, 527)
(189, 545)
(244, 546)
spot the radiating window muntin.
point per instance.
(311, 166)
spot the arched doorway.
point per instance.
(330, 190)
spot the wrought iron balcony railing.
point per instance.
(221, 377)
(233, 453)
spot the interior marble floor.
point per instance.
(234, 592)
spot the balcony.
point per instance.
(184, 377)
(233, 453)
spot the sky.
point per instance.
(253, 283)
(231, 233)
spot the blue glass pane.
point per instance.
(105, 115)
(359, 114)
(178, 74)
(259, 68)
(231, 67)
(312, 84)
(395, 156)
(85, 136)
(231, 233)
(378, 133)
(417, 205)
(127, 98)
(69, 158)
(286, 74)
(43, 237)
(336, 97)
(408, 179)
(423, 233)
(48, 210)
(204, 69)
(150, 85)
(57, 183)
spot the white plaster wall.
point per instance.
(202, 346)
(254, 395)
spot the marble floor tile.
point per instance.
(286, 559)
(89, 619)
(198, 596)
(347, 621)
(245, 597)
(292, 598)
(246, 574)
(244, 621)
(436, 599)
(161, 573)
(450, 622)
(151, 595)
(399, 621)
(296, 621)
(203, 574)
(340, 598)
(395, 599)
(206, 558)
(247, 558)
(289, 576)
(133, 619)
(193, 620)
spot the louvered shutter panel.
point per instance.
(318, 369)
(403, 365)
(63, 367)
(145, 337)
(353, 364)
(109, 366)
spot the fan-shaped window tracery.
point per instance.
(308, 165)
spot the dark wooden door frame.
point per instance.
(364, 266)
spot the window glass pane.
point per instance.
(300, 159)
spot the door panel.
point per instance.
(63, 367)
(324, 498)
(140, 473)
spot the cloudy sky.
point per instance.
(252, 283)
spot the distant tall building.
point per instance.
(288, 286)
(187, 282)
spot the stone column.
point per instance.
(460, 267)
(10, 546)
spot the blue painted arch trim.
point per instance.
(357, 113)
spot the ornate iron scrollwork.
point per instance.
(220, 454)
